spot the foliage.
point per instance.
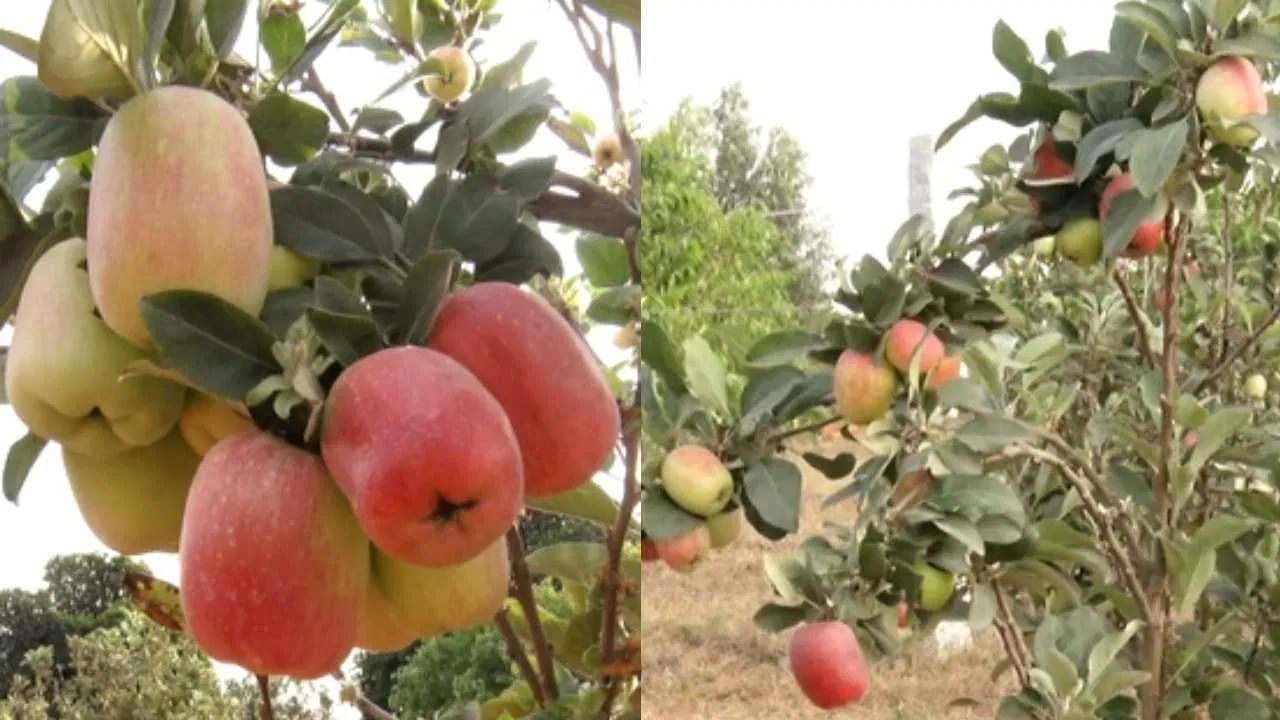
(451, 669)
(1099, 482)
(540, 529)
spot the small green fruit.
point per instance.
(936, 587)
(1256, 387)
(1043, 246)
(724, 528)
(1081, 240)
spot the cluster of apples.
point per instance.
(865, 387)
(695, 479)
(1228, 94)
(290, 558)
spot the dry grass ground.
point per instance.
(704, 658)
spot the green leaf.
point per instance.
(1218, 531)
(989, 433)
(88, 48)
(615, 306)
(1060, 669)
(774, 618)
(1238, 704)
(953, 277)
(402, 17)
(1091, 68)
(348, 337)
(783, 347)
(763, 393)
(604, 260)
(1128, 210)
(577, 561)
(224, 18)
(963, 531)
(1151, 21)
(1224, 11)
(1214, 433)
(977, 495)
(834, 468)
(288, 130)
(1012, 52)
(425, 289)
(318, 225)
(1103, 653)
(1255, 45)
(661, 518)
(157, 15)
(1118, 681)
(658, 352)
(339, 11)
(220, 347)
(507, 73)
(37, 125)
(588, 501)
(377, 120)
(18, 463)
(1155, 154)
(21, 45)
(528, 178)
(707, 375)
(1193, 581)
(625, 12)
(1099, 141)
(772, 487)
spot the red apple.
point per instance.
(948, 369)
(828, 665)
(274, 566)
(424, 453)
(1229, 92)
(683, 553)
(864, 389)
(543, 374)
(904, 615)
(648, 550)
(1046, 165)
(1146, 239)
(903, 339)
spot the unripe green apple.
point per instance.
(1229, 92)
(1081, 240)
(724, 528)
(902, 341)
(428, 601)
(450, 84)
(936, 587)
(695, 479)
(63, 371)
(133, 501)
(683, 553)
(178, 200)
(289, 269)
(864, 388)
(608, 150)
(1256, 386)
(1043, 246)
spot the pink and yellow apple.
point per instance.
(864, 389)
(1146, 239)
(902, 341)
(685, 552)
(454, 79)
(695, 479)
(1229, 92)
(827, 663)
(948, 369)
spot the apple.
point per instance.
(428, 601)
(1081, 240)
(902, 340)
(133, 501)
(827, 663)
(648, 550)
(1228, 93)
(184, 160)
(207, 420)
(72, 61)
(724, 528)
(864, 388)
(607, 152)
(63, 371)
(936, 587)
(696, 480)
(289, 269)
(948, 369)
(1190, 439)
(683, 553)
(542, 372)
(425, 455)
(454, 79)
(1256, 386)
(274, 567)
(1043, 246)
(1046, 165)
(904, 615)
(1146, 239)
(381, 631)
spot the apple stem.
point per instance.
(264, 688)
(1139, 325)
(517, 653)
(522, 587)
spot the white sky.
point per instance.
(853, 82)
(46, 523)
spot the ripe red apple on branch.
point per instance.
(695, 479)
(827, 663)
(1147, 238)
(1227, 95)
(864, 388)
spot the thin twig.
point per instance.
(618, 536)
(1100, 488)
(1228, 277)
(523, 589)
(1016, 645)
(311, 83)
(1238, 350)
(803, 429)
(1139, 326)
(517, 653)
(351, 693)
(264, 689)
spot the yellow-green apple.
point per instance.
(1146, 239)
(133, 500)
(1081, 240)
(1228, 92)
(827, 663)
(178, 200)
(428, 601)
(864, 387)
(425, 455)
(455, 76)
(274, 566)
(207, 420)
(1043, 246)
(902, 340)
(685, 552)
(380, 630)
(948, 369)
(696, 480)
(72, 61)
(289, 269)
(724, 528)
(936, 586)
(607, 151)
(63, 372)
(1256, 386)
(544, 375)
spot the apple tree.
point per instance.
(1098, 482)
(327, 354)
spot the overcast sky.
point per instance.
(46, 523)
(853, 82)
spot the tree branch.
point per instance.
(818, 425)
(1015, 646)
(523, 588)
(617, 536)
(311, 83)
(351, 694)
(1228, 279)
(586, 206)
(1144, 342)
(1238, 350)
(517, 653)
(264, 689)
